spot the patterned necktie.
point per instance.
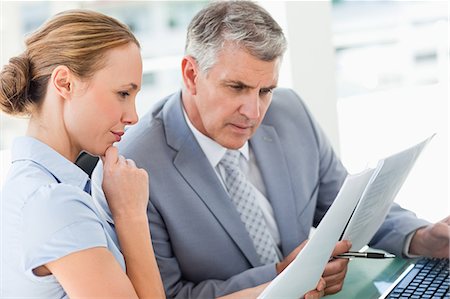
(244, 198)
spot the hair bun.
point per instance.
(14, 84)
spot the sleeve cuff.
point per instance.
(75, 237)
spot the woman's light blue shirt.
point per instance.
(46, 213)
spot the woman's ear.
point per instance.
(62, 81)
(189, 71)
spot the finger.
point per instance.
(122, 160)
(321, 285)
(333, 289)
(314, 294)
(318, 292)
(111, 156)
(335, 266)
(334, 279)
(103, 156)
(341, 247)
(335, 282)
(131, 163)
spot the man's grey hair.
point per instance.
(242, 23)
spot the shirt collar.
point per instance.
(29, 148)
(213, 150)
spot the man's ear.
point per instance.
(62, 81)
(189, 71)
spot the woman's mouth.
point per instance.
(117, 135)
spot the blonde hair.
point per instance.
(77, 39)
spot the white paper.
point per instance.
(377, 199)
(303, 274)
(359, 208)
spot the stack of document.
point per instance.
(356, 214)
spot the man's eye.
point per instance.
(237, 87)
(265, 91)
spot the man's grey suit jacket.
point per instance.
(202, 247)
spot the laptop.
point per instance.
(425, 279)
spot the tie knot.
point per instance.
(231, 159)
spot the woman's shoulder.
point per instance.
(60, 211)
(61, 202)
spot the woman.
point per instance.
(77, 80)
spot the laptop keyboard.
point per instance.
(427, 279)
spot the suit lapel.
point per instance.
(277, 179)
(195, 168)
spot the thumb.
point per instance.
(341, 247)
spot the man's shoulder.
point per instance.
(151, 120)
(286, 101)
(149, 134)
(284, 92)
(148, 124)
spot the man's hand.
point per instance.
(256, 291)
(319, 292)
(432, 240)
(333, 274)
(335, 270)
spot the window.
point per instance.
(160, 27)
(392, 61)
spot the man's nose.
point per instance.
(250, 107)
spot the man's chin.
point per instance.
(233, 144)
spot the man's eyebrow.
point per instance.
(244, 85)
(240, 83)
(270, 87)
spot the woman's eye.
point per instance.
(124, 94)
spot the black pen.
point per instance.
(367, 255)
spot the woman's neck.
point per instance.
(47, 125)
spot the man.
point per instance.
(210, 238)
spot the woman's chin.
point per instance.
(97, 151)
(102, 151)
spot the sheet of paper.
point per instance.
(377, 199)
(303, 274)
(359, 208)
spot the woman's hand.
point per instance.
(126, 190)
(125, 185)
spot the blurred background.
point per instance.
(374, 73)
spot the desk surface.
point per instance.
(369, 278)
